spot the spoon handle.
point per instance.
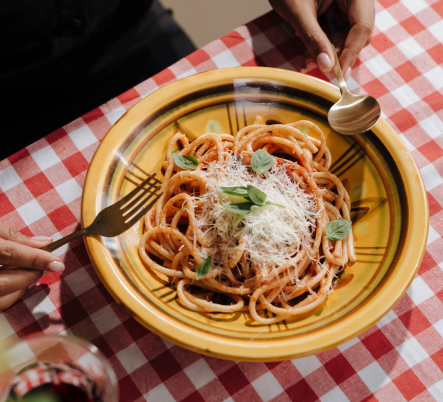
(338, 72)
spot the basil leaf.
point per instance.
(203, 268)
(185, 161)
(338, 229)
(261, 161)
(213, 127)
(273, 203)
(257, 196)
(239, 191)
(235, 188)
(241, 208)
(304, 129)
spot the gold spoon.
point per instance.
(352, 114)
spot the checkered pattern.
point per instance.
(399, 359)
(56, 373)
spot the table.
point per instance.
(398, 359)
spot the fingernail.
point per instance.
(347, 73)
(42, 238)
(56, 266)
(324, 62)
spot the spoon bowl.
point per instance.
(352, 114)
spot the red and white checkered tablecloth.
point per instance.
(399, 359)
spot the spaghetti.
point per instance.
(274, 261)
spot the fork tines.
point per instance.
(147, 191)
(138, 173)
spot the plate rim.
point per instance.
(243, 349)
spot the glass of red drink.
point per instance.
(50, 368)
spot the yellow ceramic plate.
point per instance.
(389, 208)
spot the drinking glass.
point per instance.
(53, 368)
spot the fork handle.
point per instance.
(61, 242)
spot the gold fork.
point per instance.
(119, 217)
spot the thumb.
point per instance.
(318, 45)
(303, 18)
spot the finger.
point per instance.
(15, 279)
(339, 45)
(9, 300)
(12, 253)
(8, 233)
(360, 16)
(310, 63)
(302, 15)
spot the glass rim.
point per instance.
(8, 373)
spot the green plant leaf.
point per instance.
(203, 268)
(338, 229)
(185, 161)
(257, 196)
(273, 203)
(241, 208)
(261, 161)
(238, 191)
(213, 127)
(304, 129)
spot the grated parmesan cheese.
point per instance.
(272, 234)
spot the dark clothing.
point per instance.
(59, 59)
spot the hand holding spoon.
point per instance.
(352, 114)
